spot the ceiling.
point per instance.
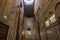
(29, 10)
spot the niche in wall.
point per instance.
(57, 9)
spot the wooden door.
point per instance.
(3, 31)
(52, 34)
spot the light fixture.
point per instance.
(28, 2)
(29, 23)
(29, 32)
(5, 17)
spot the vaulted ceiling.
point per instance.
(29, 10)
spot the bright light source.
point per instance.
(47, 23)
(28, 1)
(29, 32)
(29, 23)
(52, 18)
(23, 32)
(5, 17)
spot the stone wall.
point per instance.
(51, 8)
(9, 12)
